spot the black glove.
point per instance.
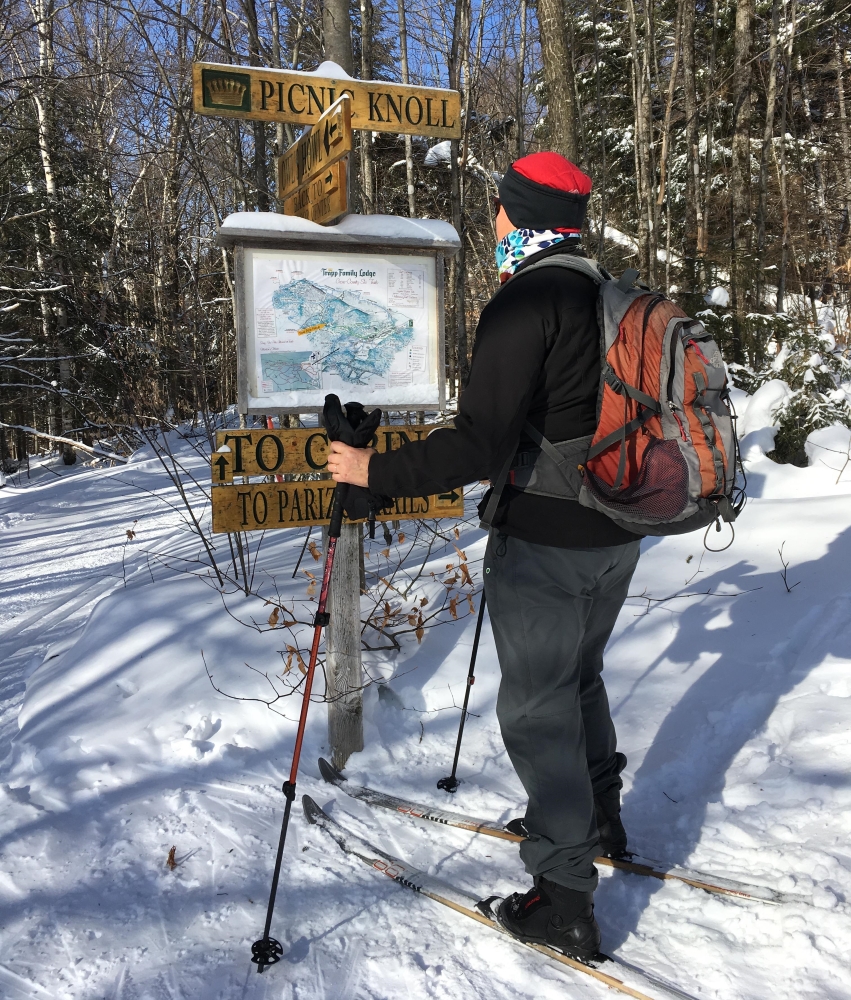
(355, 427)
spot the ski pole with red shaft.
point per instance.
(268, 951)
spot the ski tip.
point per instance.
(329, 773)
(312, 812)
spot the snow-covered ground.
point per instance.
(730, 692)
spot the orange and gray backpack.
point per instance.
(664, 457)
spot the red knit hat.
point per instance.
(545, 191)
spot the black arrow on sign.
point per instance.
(450, 497)
(329, 179)
(327, 140)
(222, 464)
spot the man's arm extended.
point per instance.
(508, 357)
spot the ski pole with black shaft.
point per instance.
(450, 782)
(268, 951)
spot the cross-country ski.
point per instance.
(622, 977)
(631, 863)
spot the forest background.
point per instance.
(716, 132)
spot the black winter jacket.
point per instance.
(536, 357)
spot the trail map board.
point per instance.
(354, 309)
(362, 326)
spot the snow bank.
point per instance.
(757, 426)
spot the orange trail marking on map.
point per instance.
(310, 329)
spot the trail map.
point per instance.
(362, 326)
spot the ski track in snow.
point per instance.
(733, 711)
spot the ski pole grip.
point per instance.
(339, 503)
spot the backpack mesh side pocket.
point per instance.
(658, 493)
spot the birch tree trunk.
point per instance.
(409, 155)
(843, 127)
(791, 25)
(55, 317)
(740, 172)
(709, 100)
(767, 140)
(367, 181)
(693, 208)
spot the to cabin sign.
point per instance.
(278, 95)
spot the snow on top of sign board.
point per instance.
(328, 68)
(391, 226)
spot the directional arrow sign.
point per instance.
(322, 199)
(261, 506)
(222, 472)
(323, 145)
(448, 498)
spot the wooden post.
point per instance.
(343, 643)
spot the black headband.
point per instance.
(530, 205)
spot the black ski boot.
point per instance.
(552, 914)
(607, 809)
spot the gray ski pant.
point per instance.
(552, 611)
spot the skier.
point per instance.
(556, 573)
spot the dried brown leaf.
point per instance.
(315, 551)
(289, 664)
(457, 532)
(401, 537)
(170, 861)
(386, 553)
(423, 602)
(453, 607)
(465, 575)
(461, 555)
(470, 604)
(273, 618)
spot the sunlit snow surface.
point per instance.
(732, 702)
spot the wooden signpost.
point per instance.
(278, 95)
(265, 505)
(402, 273)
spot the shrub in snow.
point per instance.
(811, 365)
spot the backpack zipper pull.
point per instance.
(673, 410)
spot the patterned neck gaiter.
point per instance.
(519, 244)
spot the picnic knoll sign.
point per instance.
(278, 95)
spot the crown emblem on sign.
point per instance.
(226, 91)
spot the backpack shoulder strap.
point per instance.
(583, 265)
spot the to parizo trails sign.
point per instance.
(261, 506)
(289, 96)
